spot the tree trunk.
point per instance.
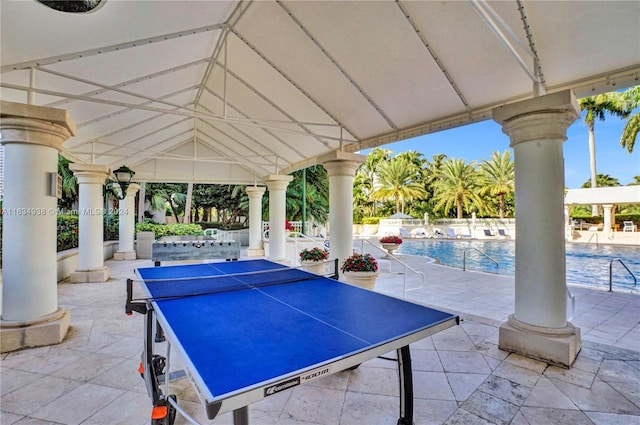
(592, 162)
(501, 200)
(187, 205)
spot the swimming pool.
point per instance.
(586, 264)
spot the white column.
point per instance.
(341, 168)
(141, 202)
(32, 136)
(277, 186)
(255, 194)
(539, 328)
(127, 224)
(608, 220)
(91, 179)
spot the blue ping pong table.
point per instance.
(250, 329)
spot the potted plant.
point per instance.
(313, 259)
(360, 270)
(390, 243)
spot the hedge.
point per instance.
(176, 229)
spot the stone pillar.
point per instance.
(255, 221)
(341, 168)
(32, 136)
(91, 179)
(608, 221)
(127, 224)
(277, 186)
(539, 327)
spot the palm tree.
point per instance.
(631, 128)
(498, 177)
(596, 107)
(172, 193)
(69, 184)
(399, 180)
(604, 180)
(365, 179)
(457, 186)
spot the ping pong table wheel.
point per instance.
(164, 414)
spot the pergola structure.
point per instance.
(607, 197)
(245, 92)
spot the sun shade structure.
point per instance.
(234, 91)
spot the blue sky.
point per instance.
(478, 141)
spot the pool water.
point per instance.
(586, 264)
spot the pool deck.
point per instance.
(460, 375)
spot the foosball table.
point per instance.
(190, 247)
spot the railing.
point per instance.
(571, 305)
(220, 235)
(464, 258)
(405, 265)
(596, 235)
(290, 240)
(297, 227)
(635, 281)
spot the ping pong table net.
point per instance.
(192, 286)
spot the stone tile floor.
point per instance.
(460, 375)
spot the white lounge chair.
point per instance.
(628, 226)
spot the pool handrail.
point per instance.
(635, 281)
(464, 257)
(594, 234)
(406, 267)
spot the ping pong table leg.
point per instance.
(405, 376)
(241, 416)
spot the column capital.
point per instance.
(39, 125)
(340, 163)
(278, 182)
(541, 118)
(90, 173)
(255, 191)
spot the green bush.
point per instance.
(160, 230)
(222, 226)
(587, 218)
(67, 232)
(371, 220)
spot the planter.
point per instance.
(365, 280)
(390, 247)
(316, 267)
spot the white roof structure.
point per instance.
(234, 91)
(603, 195)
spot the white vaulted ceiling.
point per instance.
(232, 91)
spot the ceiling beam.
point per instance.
(107, 49)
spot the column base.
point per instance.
(90, 276)
(124, 255)
(47, 330)
(558, 346)
(255, 252)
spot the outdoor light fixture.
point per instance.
(123, 178)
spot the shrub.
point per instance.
(67, 232)
(177, 229)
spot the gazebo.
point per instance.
(244, 92)
(606, 197)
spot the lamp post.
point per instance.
(126, 216)
(123, 177)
